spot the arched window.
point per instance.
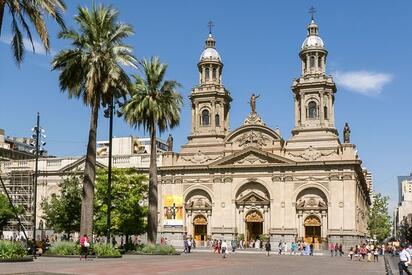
(312, 110)
(214, 73)
(205, 118)
(325, 112)
(320, 62)
(207, 73)
(312, 61)
(217, 120)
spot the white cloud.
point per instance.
(38, 46)
(363, 82)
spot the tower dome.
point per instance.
(313, 39)
(210, 53)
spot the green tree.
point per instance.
(92, 70)
(379, 221)
(62, 211)
(23, 11)
(7, 211)
(405, 231)
(154, 105)
(129, 196)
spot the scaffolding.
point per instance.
(19, 184)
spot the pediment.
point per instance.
(252, 198)
(259, 136)
(251, 156)
(79, 165)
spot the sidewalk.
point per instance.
(255, 251)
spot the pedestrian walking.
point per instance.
(341, 250)
(233, 243)
(267, 247)
(280, 248)
(331, 249)
(189, 245)
(224, 248)
(350, 254)
(404, 259)
(336, 249)
(376, 255)
(311, 249)
(84, 246)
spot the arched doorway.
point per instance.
(253, 210)
(254, 225)
(200, 228)
(313, 230)
(198, 206)
(311, 216)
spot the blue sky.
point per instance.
(370, 53)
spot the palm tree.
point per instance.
(22, 11)
(92, 70)
(154, 105)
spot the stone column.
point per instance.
(203, 74)
(296, 112)
(213, 114)
(324, 224)
(300, 225)
(302, 110)
(307, 63)
(321, 109)
(189, 223)
(316, 62)
(209, 223)
(197, 115)
(331, 111)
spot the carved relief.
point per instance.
(199, 220)
(254, 217)
(311, 154)
(251, 159)
(312, 221)
(253, 119)
(252, 138)
(200, 158)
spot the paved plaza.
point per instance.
(198, 263)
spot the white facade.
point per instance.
(251, 181)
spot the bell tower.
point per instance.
(210, 100)
(314, 91)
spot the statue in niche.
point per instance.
(346, 133)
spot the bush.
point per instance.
(104, 250)
(158, 249)
(64, 249)
(11, 250)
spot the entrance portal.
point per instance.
(200, 228)
(254, 225)
(313, 230)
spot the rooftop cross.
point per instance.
(210, 25)
(312, 11)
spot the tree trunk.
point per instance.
(152, 215)
(86, 221)
(2, 6)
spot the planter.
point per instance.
(78, 256)
(17, 260)
(152, 254)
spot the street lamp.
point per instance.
(38, 141)
(108, 113)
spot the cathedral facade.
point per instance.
(251, 181)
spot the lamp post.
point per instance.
(36, 136)
(39, 142)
